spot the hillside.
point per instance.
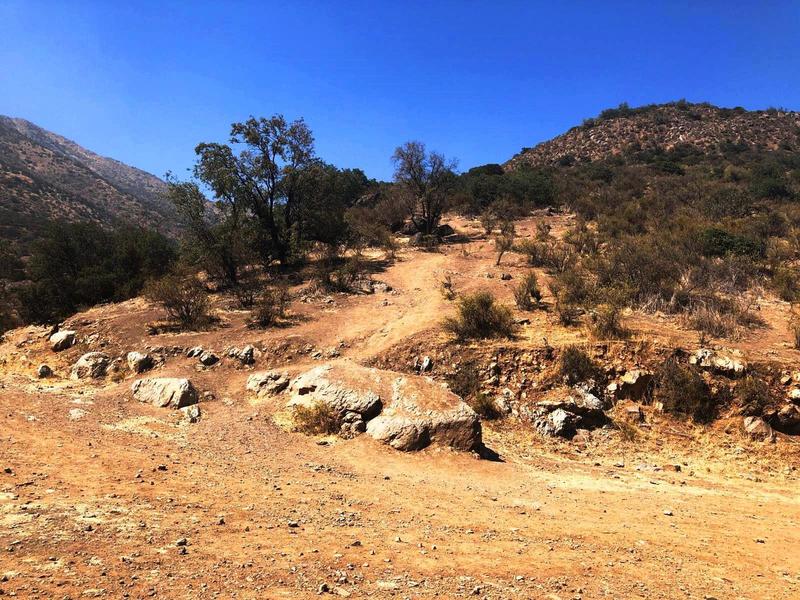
(667, 127)
(44, 176)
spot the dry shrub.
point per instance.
(484, 406)
(720, 317)
(681, 390)
(576, 366)
(627, 430)
(184, 299)
(504, 241)
(794, 327)
(270, 307)
(488, 221)
(571, 291)
(479, 317)
(447, 288)
(607, 323)
(317, 419)
(753, 395)
(527, 294)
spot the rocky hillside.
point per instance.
(665, 127)
(44, 176)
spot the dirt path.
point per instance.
(104, 497)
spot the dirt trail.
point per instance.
(122, 500)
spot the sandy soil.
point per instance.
(102, 496)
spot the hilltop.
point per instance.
(625, 131)
(46, 177)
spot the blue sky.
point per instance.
(476, 80)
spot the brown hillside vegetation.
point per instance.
(102, 495)
(45, 177)
(667, 126)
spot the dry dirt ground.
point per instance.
(101, 496)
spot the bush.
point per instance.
(576, 366)
(183, 298)
(504, 241)
(270, 307)
(479, 318)
(607, 324)
(787, 283)
(488, 221)
(571, 292)
(681, 390)
(484, 405)
(753, 395)
(317, 419)
(448, 288)
(720, 317)
(527, 294)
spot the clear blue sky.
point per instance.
(475, 80)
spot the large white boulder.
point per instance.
(169, 392)
(407, 412)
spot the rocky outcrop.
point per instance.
(268, 383)
(91, 364)
(246, 355)
(139, 362)
(61, 340)
(165, 392)
(564, 417)
(407, 412)
(757, 428)
(722, 362)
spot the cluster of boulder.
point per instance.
(407, 412)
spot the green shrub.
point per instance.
(479, 317)
(527, 294)
(681, 390)
(576, 366)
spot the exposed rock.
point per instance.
(725, 363)
(208, 358)
(506, 277)
(191, 413)
(61, 340)
(91, 364)
(268, 383)
(787, 419)
(194, 351)
(580, 410)
(169, 392)
(425, 365)
(139, 362)
(794, 395)
(246, 355)
(405, 412)
(758, 428)
(44, 371)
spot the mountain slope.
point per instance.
(45, 177)
(665, 127)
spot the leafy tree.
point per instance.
(262, 174)
(425, 181)
(218, 241)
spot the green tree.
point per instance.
(425, 181)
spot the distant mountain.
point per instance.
(45, 177)
(681, 125)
